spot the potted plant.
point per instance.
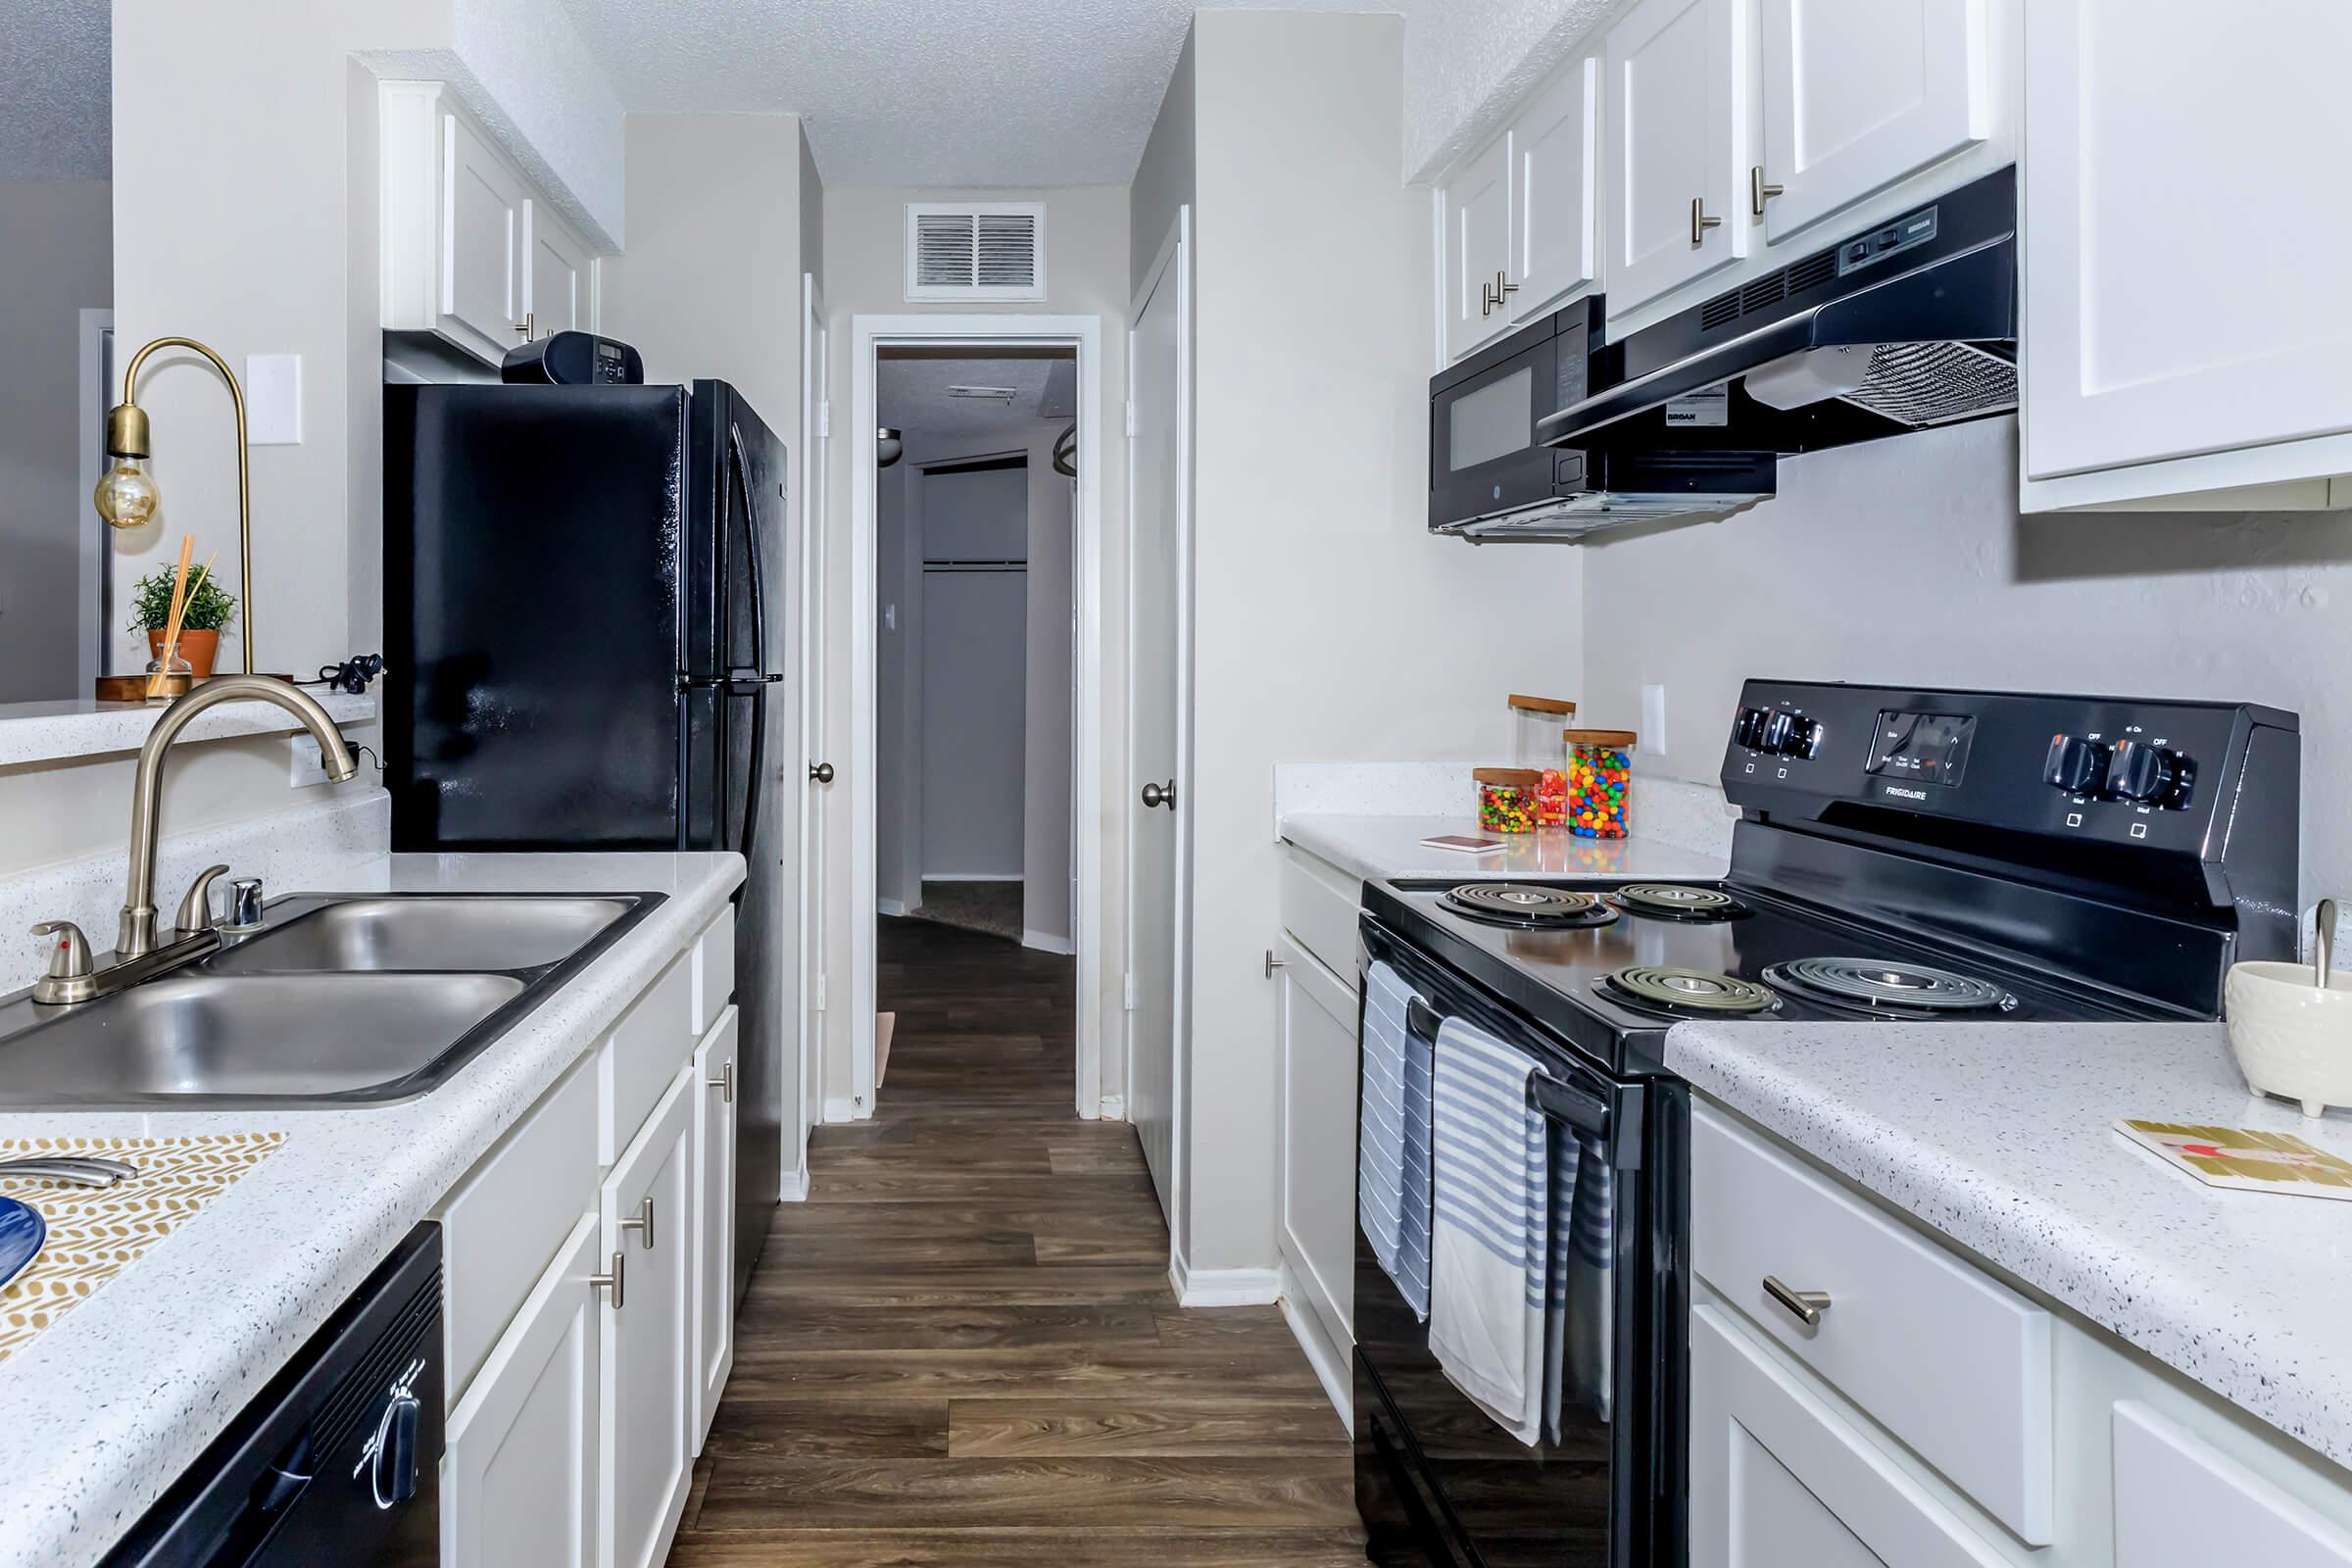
(210, 608)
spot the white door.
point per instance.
(2181, 1502)
(481, 239)
(556, 291)
(518, 1475)
(1779, 1475)
(714, 1340)
(1556, 185)
(815, 419)
(1158, 605)
(2188, 240)
(647, 1216)
(1317, 1048)
(1678, 111)
(1859, 94)
(1477, 249)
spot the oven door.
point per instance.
(1439, 1481)
(1483, 456)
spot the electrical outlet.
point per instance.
(1653, 722)
(274, 400)
(305, 764)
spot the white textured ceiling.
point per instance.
(967, 93)
(911, 394)
(56, 89)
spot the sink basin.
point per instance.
(473, 935)
(265, 1037)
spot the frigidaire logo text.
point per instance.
(1904, 794)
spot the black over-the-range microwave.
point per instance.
(1491, 478)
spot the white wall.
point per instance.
(1905, 561)
(1329, 625)
(898, 689)
(57, 255)
(1086, 274)
(975, 662)
(1048, 706)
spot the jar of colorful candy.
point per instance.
(1600, 781)
(1507, 799)
(1536, 745)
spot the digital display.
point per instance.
(1926, 748)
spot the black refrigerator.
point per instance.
(583, 592)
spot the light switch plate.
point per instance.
(274, 400)
(1653, 722)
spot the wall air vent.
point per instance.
(975, 251)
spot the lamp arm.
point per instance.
(236, 397)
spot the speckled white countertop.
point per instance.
(1375, 848)
(36, 732)
(108, 1407)
(2000, 1136)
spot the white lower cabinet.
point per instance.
(1317, 1041)
(647, 1209)
(2181, 1502)
(1777, 1475)
(518, 1475)
(714, 1340)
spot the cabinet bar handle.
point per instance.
(1806, 1306)
(1504, 286)
(724, 1083)
(1700, 223)
(642, 1224)
(1760, 191)
(1486, 300)
(1273, 963)
(614, 1283)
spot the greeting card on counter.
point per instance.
(2242, 1159)
(1464, 843)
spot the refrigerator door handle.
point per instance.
(756, 677)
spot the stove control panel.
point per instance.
(1778, 732)
(2141, 772)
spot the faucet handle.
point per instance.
(69, 954)
(196, 910)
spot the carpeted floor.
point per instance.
(992, 908)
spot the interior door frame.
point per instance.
(815, 349)
(1172, 263)
(868, 334)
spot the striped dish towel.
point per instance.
(1576, 1339)
(1391, 1152)
(1490, 1243)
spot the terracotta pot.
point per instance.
(198, 648)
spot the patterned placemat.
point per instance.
(95, 1232)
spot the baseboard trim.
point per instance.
(976, 876)
(896, 908)
(1223, 1287)
(1043, 942)
(793, 1188)
(839, 1109)
(1333, 1362)
(1114, 1107)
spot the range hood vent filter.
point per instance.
(1927, 384)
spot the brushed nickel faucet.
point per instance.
(71, 975)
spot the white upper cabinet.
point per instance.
(1555, 201)
(1859, 94)
(560, 281)
(1478, 250)
(1679, 108)
(482, 204)
(2185, 246)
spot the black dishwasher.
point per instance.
(338, 1460)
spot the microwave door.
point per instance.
(1483, 452)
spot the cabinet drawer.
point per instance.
(508, 1218)
(1319, 906)
(1954, 1364)
(641, 1055)
(714, 962)
(2179, 1501)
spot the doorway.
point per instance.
(975, 591)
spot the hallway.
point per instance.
(962, 1350)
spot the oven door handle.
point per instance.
(1587, 1113)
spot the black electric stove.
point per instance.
(1902, 855)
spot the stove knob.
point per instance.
(2074, 766)
(1779, 727)
(1748, 730)
(1804, 739)
(2140, 771)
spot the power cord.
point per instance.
(352, 675)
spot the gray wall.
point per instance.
(1046, 793)
(975, 629)
(1164, 180)
(898, 689)
(56, 258)
(1905, 560)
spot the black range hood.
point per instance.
(1910, 324)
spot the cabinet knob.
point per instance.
(615, 1284)
(724, 1083)
(642, 1224)
(1700, 223)
(822, 773)
(1760, 191)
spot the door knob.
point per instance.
(1161, 794)
(820, 772)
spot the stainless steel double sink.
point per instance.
(351, 1000)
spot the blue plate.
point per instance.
(22, 1233)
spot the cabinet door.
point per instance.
(1318, 1072)
(1859, 94)
(482, 204)
(643, 1437)
(714, 1080)
(1777, 1475)
(1556, 149)
(2179, 1502)
(557, 290)
(1677, 108)
(2185, 249)
(1477, 249)
(518, 1477)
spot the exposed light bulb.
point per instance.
(127, 496)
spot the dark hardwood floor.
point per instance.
(962, 1351)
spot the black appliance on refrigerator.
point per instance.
(582, 605)
(1903, 855)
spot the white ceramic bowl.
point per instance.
(2293, 1039)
